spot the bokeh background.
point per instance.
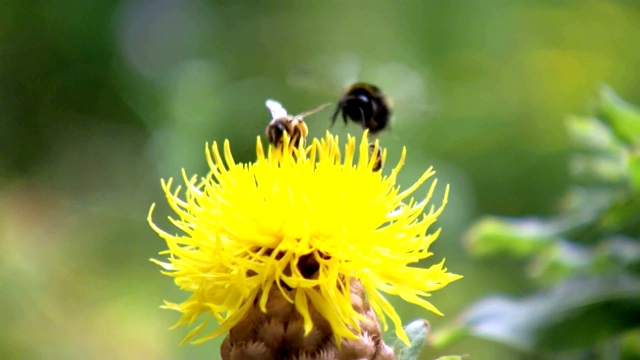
(99, 100)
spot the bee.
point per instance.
(377, 165)
(365, 104)
(282, 122)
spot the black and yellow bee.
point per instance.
(365, 104)
(283, 122)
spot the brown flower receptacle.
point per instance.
(278, 333)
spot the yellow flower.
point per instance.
(246, 228)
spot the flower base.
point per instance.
(278, 333)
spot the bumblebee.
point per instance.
(377, 165)
(282, 122)
(365, 104)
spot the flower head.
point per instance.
(306, 223)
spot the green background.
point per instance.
(101, 99)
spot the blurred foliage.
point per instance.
(101, 99)
(584, 261)
(417, 333)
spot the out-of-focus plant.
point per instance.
(584, 262)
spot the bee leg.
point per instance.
(335, 114)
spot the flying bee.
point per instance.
(282, 122)
(365, 104)
(351, 78)
(377, 165)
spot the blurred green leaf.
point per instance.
(585, 202)
(600, 169)
(621, 217)
(631, 345)
(634, 170)
(572, 314)
(566, 259)
(492, 235)
(450, 357)
(589, 133)
(417, 332)
(618, 253)
(623, 117)
(560, 261)
(447, 335)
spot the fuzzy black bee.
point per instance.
(365, 104)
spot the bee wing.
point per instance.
(403, 85)
(276, 109)
(327, 75)
(312, 111)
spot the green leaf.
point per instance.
(623, 117)
(633, 162)
(630, 345)
(618, 253)
(576, 313)
(450, 357)
(570, 259)
(447, 335)
(563, 260)
(521, 237)
(589, 133)
(417, 332)
(604, 169)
